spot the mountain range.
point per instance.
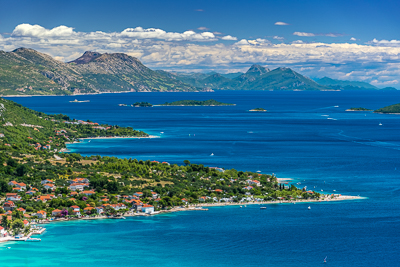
(25, 71)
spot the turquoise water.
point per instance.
(349, 153)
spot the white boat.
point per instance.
(240, 206)
(212, 154)
(322, 190)
(380, 124)
(258, 171)
(309, 207)
(29, 239)
(336, 106)
(162, 132)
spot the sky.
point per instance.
(348, 40)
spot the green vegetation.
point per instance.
(389, 109)
(258, 109)
(358, 109)
(142, 104)
(210, 102)
(346, 85)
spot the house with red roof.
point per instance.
(56, 212)
(49, 186)
(9, 205)
(88, 193)
(138, 194)
(41, 214)
(22, 210)
(47, 181)
(13, 197)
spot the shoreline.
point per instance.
(195, 207)
(117, 137)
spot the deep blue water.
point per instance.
(349, 153)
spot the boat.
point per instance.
(161, 132)
(380, 124)
(258, 171)
(77, 101)
(263, 208)
(309, 207)
(240, 206)
(29, 239)
(325, 259)
(336, 106)
(212, 154)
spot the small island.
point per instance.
(258, 110)
(210, 102)
(392, 109)
(358, 109)
(142, 104)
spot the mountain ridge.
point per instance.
(25, 71)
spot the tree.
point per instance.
(22, 170)
(17, 224)
(187, 163)
(17, 214)
(5, 223)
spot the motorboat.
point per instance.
(29, 239)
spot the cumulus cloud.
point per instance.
(384, 83)
(280, 23)
(353, 39)
(278, 38)
(394, 43)
(153, 33)
(39, 31)
(229, 38)
(375, 61)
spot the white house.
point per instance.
(147, 208)
(47, 181)
(41, 214)
(99, 210)
(3, 232)
(49, 186)
(154, 195)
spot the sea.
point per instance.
(306, 136)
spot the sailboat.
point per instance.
(325, 259)
(212, 154)
(309, 207)
(380, 124)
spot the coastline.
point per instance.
(117, 137)
(194, 207)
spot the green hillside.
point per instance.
(24, 128)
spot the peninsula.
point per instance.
(392, 109)
(210, 102)
(40, 184)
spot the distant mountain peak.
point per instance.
(257, 69)
(87, 57)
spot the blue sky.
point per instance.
(353, 40)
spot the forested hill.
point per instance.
(29, 72)
(24, 129)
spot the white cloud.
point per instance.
(309, 34)
(280, 23)
(203, 28)
(394, 43)
(229, 38)
(278, 38)
(377, 83)
(353, 39)
(39, 31)
(376, 60)
(306, 34)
